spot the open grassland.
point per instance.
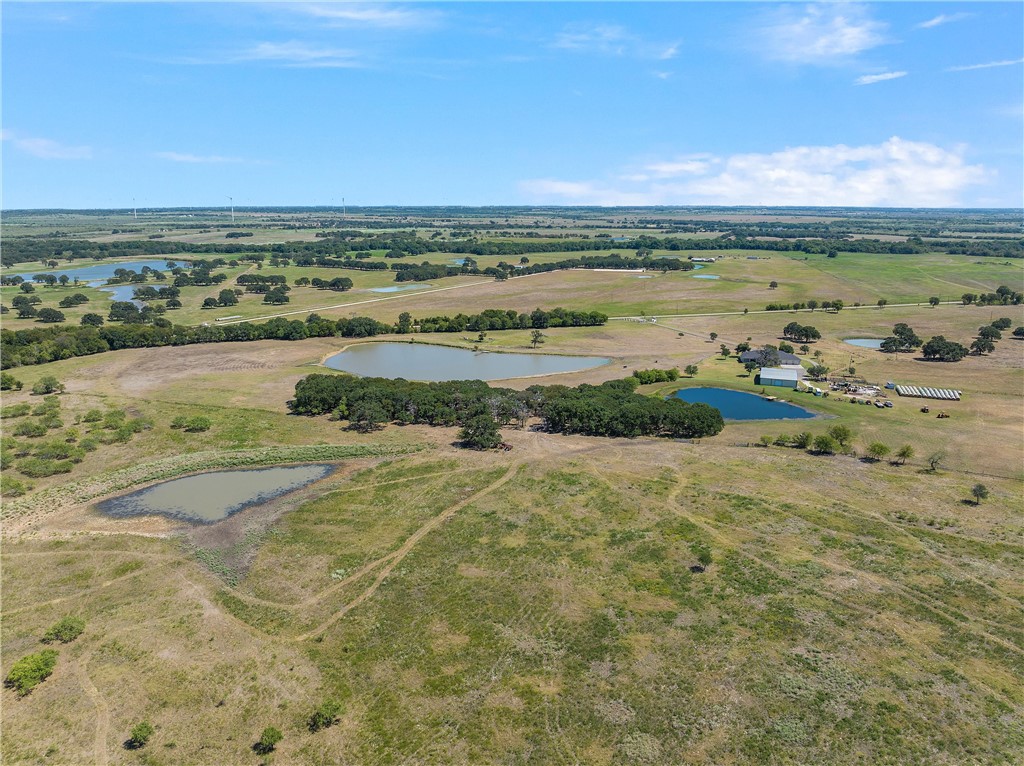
(539, 605)
(465, 608)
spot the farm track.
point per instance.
(102, 710)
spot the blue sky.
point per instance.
(892, 104)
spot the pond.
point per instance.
(209, 497)
(864, 342)
(104, 271)
(421, 361)
(399, 288)
(706, 276)
(738, 405)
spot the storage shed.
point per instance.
(777, 376)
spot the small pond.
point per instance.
(209, 497)
(864, 342)
(399, 288)
(738, 405)
(706, 276)
(420, 361)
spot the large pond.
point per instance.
(209, 497)
(420, 361)
(106, 270)
(737, 405)
(864, 342)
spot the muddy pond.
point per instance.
(207, 497)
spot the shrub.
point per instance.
(38, 468)
(139, 735)
(9, 382)
(59, 450)
(15, 411)
(48, 384)
(268, 740)
(325, 715)
(179, 422)
(31, 429)
(825, 445)
(66, 630)
(198, 423)
(92, 416)
(11, 487)
(30, 671)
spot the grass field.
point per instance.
(543, 605)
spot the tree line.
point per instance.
(146, 329)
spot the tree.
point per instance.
(935, 460)
(812, 304)
(8, 382)
(92, 320)
(988, 332)
(536, 337)
(742, 347)
(803, 440)
(367, 415)
(933, 301)
(1019, 332)
(750, 367)
(979, 492)
(405, 323)
(139, 735)
(943, 350)
(50, 316)
(903, 454)
(268, 740)
(48, 384)
(766, 440)
(691, 370)
(1003, 323)
(725, 349)
(877, 451)
(982, 346)
(325, 715)
(26, 287)
(173, 303)
(227, 298)
(210, 303)
(805, 349)
(772, 285)
(842, 434)
(882, 302)
(713, 336)
(480, 432)
(968, 298)
(825, 445)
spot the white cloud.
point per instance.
(299, 54)
(942, 18)
(871, 79)
(989, 65)
(196, 158)
(894, 173)
(369, 15)
(820, 34)
(45, 148)
(612, 40)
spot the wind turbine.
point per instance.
(135, 210)
(232, 201)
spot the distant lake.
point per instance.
(738, 405)
(865, 342)
(209, 497)
(399, 288)
(420, 361)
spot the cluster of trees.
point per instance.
(257, 283)
(985, 342)
(1003, 296)
(70, 301)
(338, 284)
(835, 305)
(903, 339)
(656, 376)
(802, 333)
(610, 409)
(503, 319)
